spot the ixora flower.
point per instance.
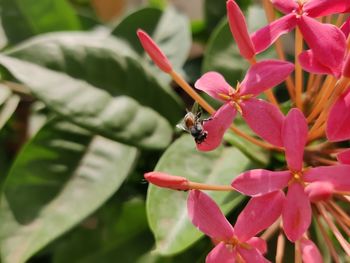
(304, 185)
(263, 118)
(235, 243)
(338, 122)
(327, 42)
(309, 60)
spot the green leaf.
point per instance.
(118, 228)
(117, 117)
(106, 63)
(8, 104)
(158, 3)
(215, 10)
(22, 19)
(253, 152)
(169, 29)
(173, 36)
(222, 54)
(62, 175)
(167, 210)
(146, 18)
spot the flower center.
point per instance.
(234, 98)
(297, 177)
(234, 241)
(299, 10)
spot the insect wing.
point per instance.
(182, 125)
(195, 108)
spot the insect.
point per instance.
(194, 125)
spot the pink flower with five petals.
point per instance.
(326, 41)
(296, 213)
(235, 243)
(263, 118)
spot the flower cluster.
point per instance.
(308, 135)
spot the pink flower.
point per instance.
(327, 42)
(263, 118)
(296, 213)
(309, 62)
(237, 242)
(338, 122)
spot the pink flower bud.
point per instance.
(309, 251)
(167, 181)
(239, 30)
(154, 51)
(319, 191)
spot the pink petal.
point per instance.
(221, 253)
(167, 180)
(260, 213)
(265, 119)
(337, 175)
(309, 252)
(258, 243)
(251, 255)
(344, 157)
(326, 41)
(345, 28)
(259, 181)
(309, 62)
(154, 51)
(213, 84)
(319, 191)
(296, 214)
(266, 36)
(207, 216)
(285, 6)
(317, 8)
(264, 75)
(239, 30)
(338, 123)
(294, 135)
(216, 127)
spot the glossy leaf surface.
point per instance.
(117, 117)
(62, 175)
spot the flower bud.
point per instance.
(319, 191)
(239, 30)
(154, 51)
(167, 181)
